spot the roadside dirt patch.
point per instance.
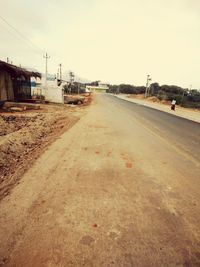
(129, 165)
(24, 136)
(153, 99)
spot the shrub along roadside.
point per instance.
(184, 97)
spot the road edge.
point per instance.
(124, 97)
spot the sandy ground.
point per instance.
(186, 113)
(108, 192)
(24, 136)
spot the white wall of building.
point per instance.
(98, 88)
(52, 93)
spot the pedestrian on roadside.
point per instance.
(173, 104)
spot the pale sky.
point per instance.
(116, 41)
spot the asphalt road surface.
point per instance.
(120, 188)
(183, 133)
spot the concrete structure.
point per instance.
(52, 92)
(100, 88)
(54, 95)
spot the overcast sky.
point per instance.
(117, 41)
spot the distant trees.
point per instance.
(127, 89)
(184, 97)
(113, 89)
(192, 99)
(154, 88)
(193, 95)
(95, 83)
(74, 88)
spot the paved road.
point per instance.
(183, 133)
(120, 188)
(189, 114)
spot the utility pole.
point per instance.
(46, 61)
(71, 75)
(78, 86)
(147, 85)
(60, 65)
(58, 74)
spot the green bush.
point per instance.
(182, 96)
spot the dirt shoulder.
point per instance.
(190, 114)
(24, 136)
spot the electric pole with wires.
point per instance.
(46, 70)
(147, 86)
(60, 65)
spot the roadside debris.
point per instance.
(73, 99)
(77, 99)
(18, 106)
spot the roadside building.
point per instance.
(100, 88)
(15, 82)
(51, 90)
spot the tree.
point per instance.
(154, 88)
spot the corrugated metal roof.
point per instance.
(17, 71)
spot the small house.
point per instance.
(15, 82)
(99, 87)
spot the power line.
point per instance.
(19, 38)
(17, 34)
(28, 42)
(21, 35)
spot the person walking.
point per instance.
(173, 104)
